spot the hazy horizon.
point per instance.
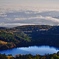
(30, 4)
(29, 12)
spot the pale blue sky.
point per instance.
(39, 4)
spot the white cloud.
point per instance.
(27, 18)
(48, 18)
(13, 24)
(52, 19)
(17, 19)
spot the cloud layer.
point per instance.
(18, 18)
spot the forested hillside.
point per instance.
(12, 38)
(29, 35)
(41, 34)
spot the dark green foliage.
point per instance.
(29, 56)
(3, 56)
(13, 38)
(30, 35)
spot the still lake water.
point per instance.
(42, 50)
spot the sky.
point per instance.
(29, 12)
(30, 4)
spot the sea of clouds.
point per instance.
(28, 17)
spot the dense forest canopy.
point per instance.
(29, 56)
(29, 35)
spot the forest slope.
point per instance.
(29, 35)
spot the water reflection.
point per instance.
(42, 50)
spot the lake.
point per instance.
(42, 50)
